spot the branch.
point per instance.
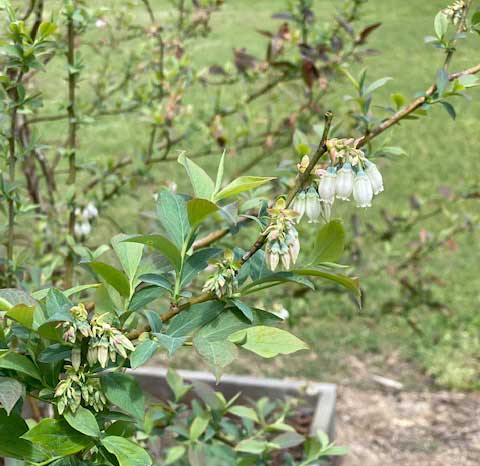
(412, 106)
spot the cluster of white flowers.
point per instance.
(350, 173)
(282, 237)
(454, 12)
(83, 224)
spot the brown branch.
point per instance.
(412, 106)
(460, 26)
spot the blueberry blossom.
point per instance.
(362, 190)
(312, 205)
(344, 182)
(374, 176)
(326, 186)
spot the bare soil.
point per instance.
(388, 427)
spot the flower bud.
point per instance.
(362, 190)
(375, 177)
(76, 358)
(344, 182)
(272, 258)
(103, 355)
(312, 205)
(299, 205)
(326, 187)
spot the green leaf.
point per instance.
(329, 243)
(58, 306)
(232, 320)
(145, 296)
(244, 411)
(10, 392)
(469, 80)
(254, 447)
(242, 184)
(267, 342)
(83, 421)
(171, 344)
(197, 262)
(112, 276)
(301, 143)
(19, 363)
(449, 108)
(202, 184)
(23, 314)
(244, 308)
(127, 452)
(351, 283)
(125, 392)
(57, 436)
(198, 427)
(273, 279)
(154, 321)
(143, 352)
(54, 353)
(176, 384)
(376, 84)
(442, 81)
(158, 280)
(198, 210)
(220, 171)
(162, 245)
(440, 25)
(129, 254)
(195, 317)
(14, 296)
(42, 294)
(217, 353)
(172, 213)
(174, 454)
(11, 444)
(288, 440)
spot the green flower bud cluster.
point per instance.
(223, 281)
(78, 389)
(282, 237)
(105, 341)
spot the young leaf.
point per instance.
(172, 213)
(203, 185)
(198, 427)
(57, 436)
(112, 276)
(125, 392)
(329, 243)
(267, 342)
(198, 210)
(127, 452)
(157, 280)
(177, 386)
(244, 308)
(129, 254)
(376, 84)
(442, 81)
(197, 262)
(171, 344)
(242, 184)
(449, 108)
(145, 296)
(244, 411)
(440, 25)
(83, 421)
(23, 314)
(160, 244)
(221, 169)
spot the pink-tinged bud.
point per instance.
(286, 260)
(375, 177)
(272, 258)
(362, 190)
(344, 182)
(326, 187)
(103, 356)
(294, 250)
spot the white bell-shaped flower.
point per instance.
(91, 211)
(326, 212)
(362, 190)
(298, 205)
(375, 177)
(326, 187)
(344, 182)
(313, 208)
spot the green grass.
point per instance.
(440, 153)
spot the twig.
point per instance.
(72, 141)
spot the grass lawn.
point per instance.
(440, 153)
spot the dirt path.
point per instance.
(384, 428)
